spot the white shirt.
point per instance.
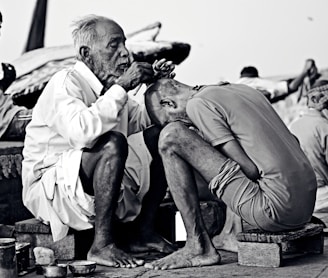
(70, 115)
(275, 88)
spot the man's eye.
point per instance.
(113, 44)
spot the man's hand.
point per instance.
(163, 68)
(318, 100)
(137, 73)
(310, 69)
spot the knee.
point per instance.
(170, 137)
(112, 143)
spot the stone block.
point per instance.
(259, 254)
(39, 234)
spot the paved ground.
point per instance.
(313, 266)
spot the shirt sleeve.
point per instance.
(275, 88)
(211, 121)
(80, 124)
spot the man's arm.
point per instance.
(234, 151)
(293, 84)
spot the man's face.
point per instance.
(164, 108)
(109, 56)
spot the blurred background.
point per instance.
(276, 36)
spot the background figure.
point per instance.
(275, 90)
(243, 150)
(311, 129)
(13, 118)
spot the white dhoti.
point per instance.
(62, 202)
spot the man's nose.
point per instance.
(124, 52)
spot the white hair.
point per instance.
(84, 31)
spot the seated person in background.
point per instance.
(78, 170)
(274, 90)
(243, 150)
(13, 118)
(311, 129)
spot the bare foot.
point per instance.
(226, 242)
(110, 255)
(151, 242)
(186, 257)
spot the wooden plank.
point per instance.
(278, 237)
(310, 244)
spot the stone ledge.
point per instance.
(32, 226)
(11, 159)
(36, 233)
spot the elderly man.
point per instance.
(77, 172)
(242, 149)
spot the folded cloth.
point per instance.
(222, 180)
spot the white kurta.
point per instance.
(70, 115)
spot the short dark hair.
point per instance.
(249, 71)
(0, 17)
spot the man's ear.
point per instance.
(84, 52)
(313, 99)
(167, 102)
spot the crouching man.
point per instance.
(242, 149)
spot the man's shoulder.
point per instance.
(309, 120)
(62, 74)
(228, 89)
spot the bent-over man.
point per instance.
(242, 149)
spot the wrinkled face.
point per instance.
(109, 55)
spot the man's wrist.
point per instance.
(123, 84)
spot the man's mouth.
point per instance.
(123, 66)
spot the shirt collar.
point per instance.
(89, 76)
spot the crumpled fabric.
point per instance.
(226, 173)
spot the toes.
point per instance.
(164, 267)
(156, 266)
(148, 265)
(139, 262)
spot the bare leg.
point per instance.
(177, 145)
(226, 240)
(145, 238)
(101, 173)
